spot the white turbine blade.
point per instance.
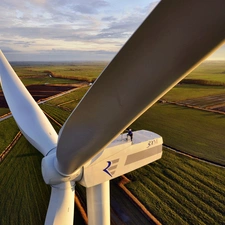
(171, 42)
(28, 115)
(61, 205)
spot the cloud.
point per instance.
(120, 28)
(98, 27)
(7, 50)
(91, 8)
(54, 24)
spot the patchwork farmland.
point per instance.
(175, 189)
(212, 102)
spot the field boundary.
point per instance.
(50, 117)
(194, 157)
(136, 202)
(192, 107)
(10, 146)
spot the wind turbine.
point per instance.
(171, 42)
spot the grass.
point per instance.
(180, 190)
(38, 74)
(8, 130)
(57, 113)
(60, 108)
(46, 80)
(80, 71)
(4, 111)
(191, 91)
(210, 71)
(58, 73)
(176, 189)
(21, 181)
(197, 132)
(70, 100)
(24, 195)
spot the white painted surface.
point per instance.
(29, 117)
(122, 156)
(98, 204)
(61, 205)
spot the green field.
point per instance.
(69, 101)
(210, 71)
(4, 111)
(180, 190)
(212, 75)
(196, 132)
(46, 80)
(8, 130)
(24, 195)
(191, 91)
(60, 72)
(176, 189)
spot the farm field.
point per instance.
(181, 190)
(206, 80)
(196, 132)
(195, 115)
(176, 189)
(24, 195)
(8, 130)
(66, 102)
(4, 111)
(59, 72)
(212, 71)
(183, 92)
(21, 180)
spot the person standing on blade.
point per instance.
(130, 133)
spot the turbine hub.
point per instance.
(52, 176)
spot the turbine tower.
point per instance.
(172, 41)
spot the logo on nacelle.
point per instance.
(106, 169)
(111, 167)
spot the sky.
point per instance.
(71, 30)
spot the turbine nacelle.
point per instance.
(122, 156)
(119, 157)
